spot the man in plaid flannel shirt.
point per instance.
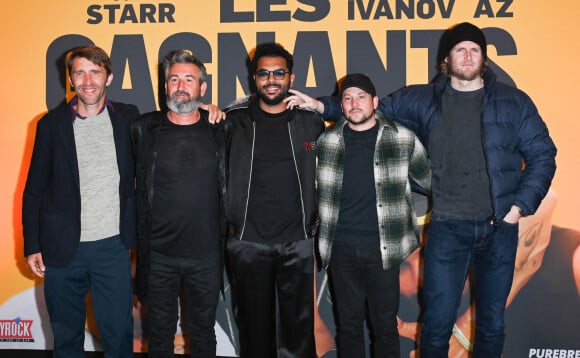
(367, 217)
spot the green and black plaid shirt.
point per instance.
(398, 155)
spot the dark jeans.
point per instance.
(452, 247)
(266, 279)
(201, 284)
(103, 268)
(358, 280)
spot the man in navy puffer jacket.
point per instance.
(493, 161)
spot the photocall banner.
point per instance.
(532, 44)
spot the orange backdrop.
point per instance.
(545, 66)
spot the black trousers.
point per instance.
(201, 284)
(359, 281)
(273, 297)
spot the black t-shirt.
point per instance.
(357, 218)
(185, 207)
(460, 181)
(274, 210)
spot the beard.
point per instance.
(272, 100)
(362, 121)
(466, 76)
(182, 106)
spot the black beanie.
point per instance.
(358, 80)
(458, 33)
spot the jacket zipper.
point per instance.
(299, 182)
(494, 219)
(249, 179)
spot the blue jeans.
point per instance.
(103, 268)
(201, 280)
(358, 280)
(453, 246)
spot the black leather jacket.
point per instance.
(144, 133)
(304, 127)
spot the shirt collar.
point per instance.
(75, 114)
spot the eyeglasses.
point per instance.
(263, 75)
